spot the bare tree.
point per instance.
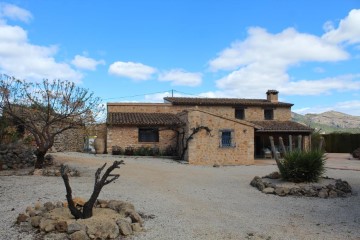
(86, 211)
(46, 109)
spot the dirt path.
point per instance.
(196, 202)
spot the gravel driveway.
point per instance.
(193, 202)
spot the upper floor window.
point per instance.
(148, 135)
(240, 113)
(268, 114)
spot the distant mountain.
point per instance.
(328, 122)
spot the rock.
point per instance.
(343, 186)
(323, 193)
(28, 209)
(258, 183)
(32, 213)
(136, 227)
(124, 227)
(282, 191)
(120, 206)
(103, 228)
(59, 204)
(25, 227)
(35, 221)
(37, 205)
(332, 194)
(38, 172)
(22, 218)
(79, 235)
(273, 175)
(268, 190)
(135, 217)
(74, 227)
(56, 236)
(61, 226)
(47, 225)
(49, 206)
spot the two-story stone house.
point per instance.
(240, 128)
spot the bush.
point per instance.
(356, 153)
(129, 151)
(116, 150)
(302, 166)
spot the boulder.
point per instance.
(268, 190)
(35, 221)
(22, 218)
(258, 183)
(61, 226)
(102, 228)
(124, 227)
(47, 225)
(120, 206)
(323, 193)
(79, 235)
(74, 227)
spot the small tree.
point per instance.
(46, 109)
(86, 211)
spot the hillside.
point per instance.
(331, 121)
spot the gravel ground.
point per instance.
(192, 202)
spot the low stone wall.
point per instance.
(16, 156)
(324, 188)
(71, 140)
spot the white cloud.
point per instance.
(348, 107)
(24, 60)
(261, 61)
(348, 30)
(322, 86)
(179, 77)
(13, 12)
(86, 63)
(136, 71)
(283, 49)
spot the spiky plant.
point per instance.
(302, 166)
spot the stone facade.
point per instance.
(252, 113)
(219, 115)
(128, 137)
(71, 140)
(206, 149)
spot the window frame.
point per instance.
(232, 143)
(242, 113)
(144, 134)
(266, 114)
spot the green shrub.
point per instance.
(302, 166)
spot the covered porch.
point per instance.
(294, 135)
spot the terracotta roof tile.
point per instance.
(224, 102)
(143, 119)
(281, 126)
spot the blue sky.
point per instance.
(127, 50)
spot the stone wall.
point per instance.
(128, 137)
(207, 150)
(251, 113)
(16, 156)
(71, 140)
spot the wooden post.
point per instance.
(290, 143)
(282, 145)
(299, 142)
(274, 152)
(321, 143)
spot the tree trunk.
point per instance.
(40, 158)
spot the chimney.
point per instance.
(272, 96)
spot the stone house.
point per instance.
(239, 129)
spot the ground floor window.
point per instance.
(226, 138)
(148, 135)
